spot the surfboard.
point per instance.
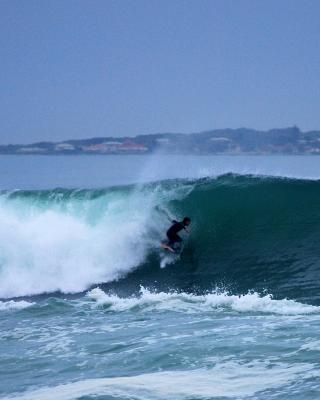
(167, 256)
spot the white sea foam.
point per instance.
(184, 302)
(68, 245)
(229, 379)
(14, 305)
(313, 345)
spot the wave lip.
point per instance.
(191, 303)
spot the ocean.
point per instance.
(92, 308)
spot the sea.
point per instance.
(91, 308)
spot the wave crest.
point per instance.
(191, 303)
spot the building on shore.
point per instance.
(115, 147)
(64, 147)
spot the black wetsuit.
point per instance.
(172, 233)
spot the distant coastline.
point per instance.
(220, 141)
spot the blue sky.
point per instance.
(76, 69)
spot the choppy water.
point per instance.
(87, 312)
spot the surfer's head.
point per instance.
(186, 221)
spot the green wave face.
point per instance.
(246, 233)
(255, 233)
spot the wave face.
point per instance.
(248, 233)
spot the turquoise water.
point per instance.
(92, 309)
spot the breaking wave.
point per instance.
(247, 233)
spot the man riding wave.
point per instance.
(172, 233)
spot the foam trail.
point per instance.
(14, 305)
(230, 379)
(184, 302)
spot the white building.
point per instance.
(64, 147)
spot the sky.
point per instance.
(84, 68)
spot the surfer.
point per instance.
(172, 233)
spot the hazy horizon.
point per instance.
(79, 69)
(66, 139)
